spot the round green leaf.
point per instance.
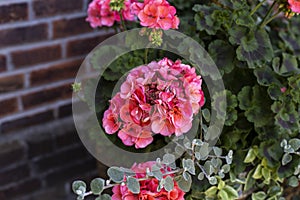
(133, 185)
(97, 185)
(79, 187)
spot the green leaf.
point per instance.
(255, 48)
(168, 159)
(156, 172)
(104, 197)
(257, 173)
(79, 187)
(259, 196)
(133, 185)
(206, 114)
(251, 155)
(217, 151)
(226, 168)
(212, 180)
(289, 65)
(223, 54)
(184, 185)
(212, 191)
(223, 195)
(201, 176)
(189, 165)
(295, 144)
(97, 186)
(265, 76)
(250, 182)
(169, 184)
(116, 174)
(232, 193)
(293, 181)
(286, 158)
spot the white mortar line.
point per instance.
(37, 110)
(54, 42)
(30, 10)
(36, 21)
(39, 66)
(37, 89)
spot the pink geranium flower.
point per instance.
(158, 98)
(295, 5)
(156, 14)
(148, 188)
(100, 13)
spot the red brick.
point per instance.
(67, 138)
(68, 27)
(84, 46)
(46, 96)
(60, 159)
(21, 189)
(2, 63)
(40, 144)
(8, 106)
(65, 111)
(11, 153)
(21, 35)
(35, 56)
(13, 12)
(11, 83)
(58, 72)
(44, 8)
(27, 121)
(70, 173)
(14, 175)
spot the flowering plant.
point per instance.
(160, 97)
(255, 46)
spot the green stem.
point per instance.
(257, 7)
(146, 55)
(271, 19)
(267, 15)
(122, 22)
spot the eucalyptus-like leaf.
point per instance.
(79, 187)
(169, 184)
(189, 165)
(133, 185)
(217, 151)
(293, 181)
(295, 144)
(116, 174)
(184, 185)
(212, 180)
(201, 176)
(286, 158)
(168, 159)
(156, 172)
(97, 185)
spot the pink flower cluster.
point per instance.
(152, 13)
(156, 14)
(158, 98)
(294, 5)
(100, 13)
(148, 188)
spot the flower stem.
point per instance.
(263, 22)
(146, 55)
(122, 22)
(271, 19)
(257, 7)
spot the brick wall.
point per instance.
(42, 44)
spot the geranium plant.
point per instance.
(255, 46)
